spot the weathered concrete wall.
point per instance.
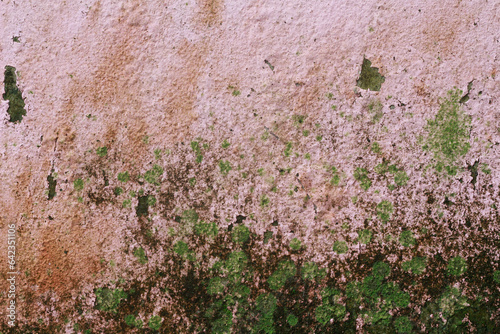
(278, 82)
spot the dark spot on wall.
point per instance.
(473, 172)
(240, 219)
(142, 209)
(16, 109)
(369, 78)
(52, 186)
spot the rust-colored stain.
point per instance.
(210, 12)
(66, 259)
(442, 26)
(111, 90)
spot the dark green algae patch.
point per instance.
(12, 94)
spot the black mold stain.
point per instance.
(16, 109)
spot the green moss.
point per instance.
(151, 200)
(485, 169)
(285, 271)
(195, 146)
(403, 325)
(369, 77)
(190, 216)
(236, 92)
(335, 180)
(181, 248)
(102, 151)
(266, 303)
(307, 156)
(264, 201)
(310, 271)
(132, 321)
(118, 191)
(155, 322)
(353, 291)
(361, 175)
(384, 211)
(394, 296)
(208, 229)
(265, 136)
(305, 133)
(267, 236)
(292, 320)
(365, 236)
(381, 168)
(157, 153)
(127, 203)
(225, 167)
(376, 148)
(393, 169)
(288, 149)
(241, 234)
(140, 254)
(401, 178)
(457, 266)
(416, 265)
(375, 107)
(496, 276)
(381, 270)
(407, 239)
(222, 317)
(78, 184)
(12, 94)
(192, 181)
(319, 138)
(215, 286)
(448, 133)
(123, 177)
(451, 301)
(324, 313)
(108, 300)
(153, 175)
(340, 247)
(298, 119)
(295, 244)
(237, 261)
(225, 144)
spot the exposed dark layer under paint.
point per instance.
(52, 186)
(142, 209)
(369, 77)
(13, 95)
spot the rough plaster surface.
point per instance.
(137, 76)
